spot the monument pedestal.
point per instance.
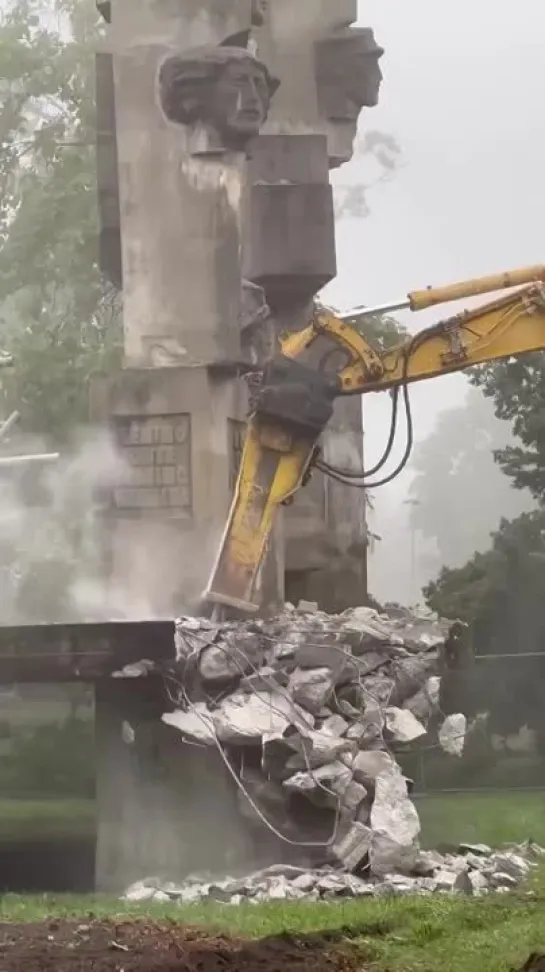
(165, 809)
(179, 434)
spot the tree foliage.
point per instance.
(57, 319)
(458, 494)
(381, 330)
(501, 590)
(517, 389)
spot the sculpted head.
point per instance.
(260, 9)
(225, 90)
(348, 73)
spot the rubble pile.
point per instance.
(473, 870)
(312, 708)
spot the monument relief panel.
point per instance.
(348, 78)
(222, 94)
(157, 453)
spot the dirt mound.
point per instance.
(535, 963)
(143, 946)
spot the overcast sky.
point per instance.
(463, 94)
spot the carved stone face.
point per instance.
(242, 99)
(225, 90)
(260, 9)
(348, 73)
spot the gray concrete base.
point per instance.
(165, 809)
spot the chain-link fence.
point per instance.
(503, 697)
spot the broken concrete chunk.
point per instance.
(427, 863)
(425, 703)
(368, 765)
(196, 723)
(481, 850)
(478, 882)
(511, 864)
(143, 890)
(410, 674)
(127, 733)
(276, 749)
(363, 628)
(324, 786)
(311, 688)
(137, 670)
(402, 726)
(264, 680)
(304, 882)
(334, 725)
(307, 607)
(353, 796)
(316, 749)
(452, 734)
(387, 856)
(310, 702)
(453, 881)
(352, 850)
(500, 880)
(245, 719)
(231, 656)
(395, 825)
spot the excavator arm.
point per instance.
(294, 401)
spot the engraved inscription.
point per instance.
(157, 454)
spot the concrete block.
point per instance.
(289, 225)
(174, 431)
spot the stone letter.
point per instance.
(348, 78)
(222, 94)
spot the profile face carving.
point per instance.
(260, 10)
(225, 91)
(348, 73)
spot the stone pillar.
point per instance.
(166, 809)
(329, 72)
(189, 98)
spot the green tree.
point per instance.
(517, 389)
(502, 588)
(458, 494)
(381, 331)
(58, 319)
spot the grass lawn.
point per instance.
(46, 819)
(493, 818)
(433, 934)
(485, 818)
(418, 934)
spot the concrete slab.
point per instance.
(80, 652)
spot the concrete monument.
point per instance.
(221, 94)
(348, 78)
(329, 70)
(260, 10)
(220, 185)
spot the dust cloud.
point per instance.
(53, 534)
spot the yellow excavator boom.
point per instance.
(296, 398)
